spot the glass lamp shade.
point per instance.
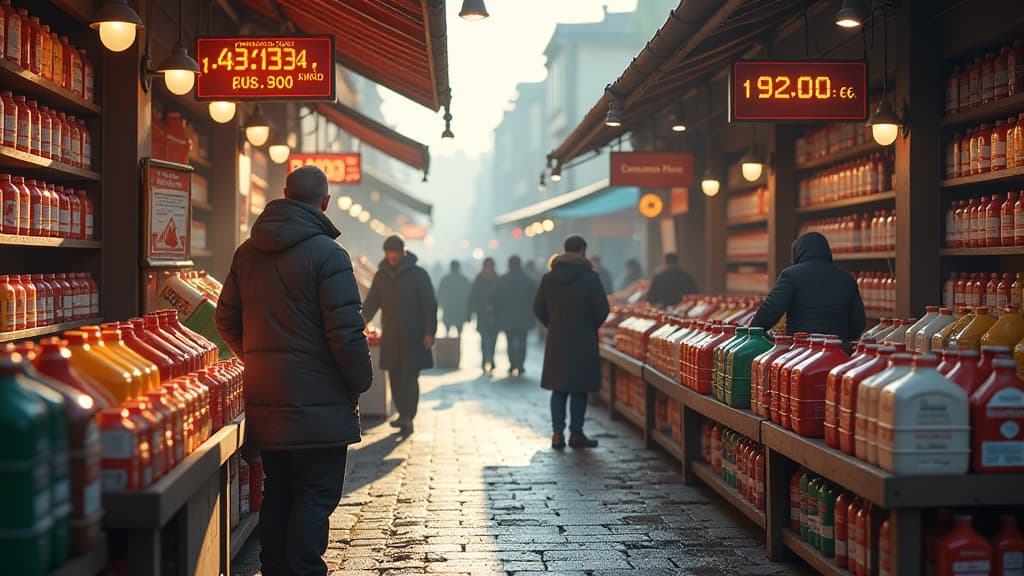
(548, 225)
(710, 186)
(257, 135)
(473, 10)
(180, 82)
(752, 171)
(849, 15)
(222, 111)
(344, 202)
(885, 124)
(179, 70)
(279, 153)
(117, 36)
(117, 24)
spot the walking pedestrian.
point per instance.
(513, 299)
(572, 305)
(453, 296)
(815, 295)
(290, 310)
(401, 290)
(670, 284)
(604, 275)
(481, 305)
(633, 273)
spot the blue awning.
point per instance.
(596, 199)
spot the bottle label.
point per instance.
(14, 38)
(114, 480)
(840, 547)
(972, 568)
(1001, 454)
(24, 130)
(117, 445)
(65, 221)
(1013, 561)
(998, 154)
(89, 226)
(92, 495)
(76, 221)
(10, 125)
(10, 214)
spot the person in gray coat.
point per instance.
(513, 297)
(402, 291)
(453, 296)
(572, 304)
(289, 309)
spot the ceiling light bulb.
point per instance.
(447, 134)
(364, 217)
(885, 124)
(614, 117)
(257, 129)
(344, 202)
(678, 126)
(355, 210)
(179, 70)
(279, 153)
(548, 225)
(473, 10)
(180, 82)
(556, 173)
(542, 186)
(222, 111)
(710, 185)
(849, 15)
(885, 134)
(117, 24)
(751, 165)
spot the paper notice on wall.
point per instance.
(169, 213)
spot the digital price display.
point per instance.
(265, 67)
(798, 91)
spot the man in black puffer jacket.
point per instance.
(815, 295)
(513, 300)
(290, 310)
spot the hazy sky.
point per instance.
(486, 59)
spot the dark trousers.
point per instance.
(302, 489)
(405, 391)
(488, 338)
(577, 410)
(516, 348)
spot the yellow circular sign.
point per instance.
(651, 205)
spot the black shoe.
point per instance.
(581, 441)
(406, 428)
(557, 441)
(400, 423)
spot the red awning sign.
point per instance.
(651, 169)
(339, 168)
(265, 67)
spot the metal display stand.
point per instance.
(905, 497)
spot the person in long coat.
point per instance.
(402, 291)
(481, 305)
(572, 304)
(453, 296)
(513, 299)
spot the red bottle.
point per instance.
(122, 455)
(132, 340)
(807, 401)
(816, 345)
(833, 386)
(154, 427)
(854, 540)
(949, 361)
(864, 543)
(988, 354)
(1008, 547)
(962, 551)
(965, 371)
(217, 392)
(704, 356)
(848, 396)
(36, 208)
(933, 532)
(759, 373)
(182, 353)
(800, 346)
(795, 498)
(997, 415)
(842, 554)
(884, 549)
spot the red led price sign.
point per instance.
(339, 168)
(265, 67)
(800, 91)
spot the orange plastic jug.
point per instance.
(98, 366)
(112, 339)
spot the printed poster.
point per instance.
(168, 212)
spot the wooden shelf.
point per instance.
(714, 481)
(621, 361)
(811, 555)
(997, 110)
(666, 442)
(841, 156)
(13, 240)
(46, 330)
(201, 253)
(997, 177)
(42, 167)
(88, 564)
(34, 86)
(886, 255)
(747, 261)
(743, 421)
(665, 385)
(847, 203)
(748, 220)
(631, 415)
(241, 533)
(155, 506)
(993, 251)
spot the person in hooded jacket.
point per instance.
(670, 284)
(402, 291)
(289, 309)
(815, 295)
(453, 296)
(513, 298)
(603, 274)
(481, 305)
(572, 304)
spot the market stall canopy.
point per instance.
(399, 44)
(400, 200)
(699, 38)
(596, 199)
(377, 135)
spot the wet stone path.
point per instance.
(478, 490)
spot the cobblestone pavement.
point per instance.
(478, 490)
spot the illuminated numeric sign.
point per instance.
(798, 91)
(339, 168)
(265, 67)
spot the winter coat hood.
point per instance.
(810, 247)
(407, 262)
(285, 223)
(568, 268)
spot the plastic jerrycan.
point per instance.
(910, 338)
(722, 357)
(962, 551)
(848, 395)
(169, 319)
(163, 363)
(144, 333)
(685, 349)
(1007, 331)
(833, 386)
(694, 352)
(800, 341)
(916, 441)
(997, 421)
(26, 523)
(815, 345)
(739, 373)
(988, 354)
(807, 389)
(98, 366)
(139, 380)
(866, 425)
(705, 358)
(157, 325)
(173, 430)
(1008, 546)
(924, 336)
(969, 337)
(944, 339)
(154, 426)
(113, 339)
(54, 360)
(760, 397)
(965, 373)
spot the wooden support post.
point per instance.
(905, 533)
(778, 470)
(649, 397)
(612, 377)
(783, 185)
(692, 449)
